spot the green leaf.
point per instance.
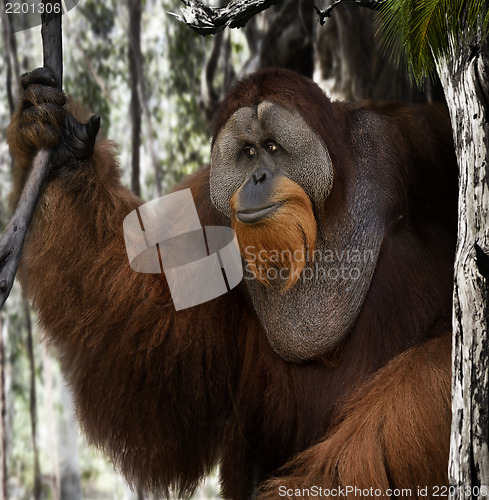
(417, 33)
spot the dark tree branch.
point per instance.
(135, 11)
(13, 236)
(325, 13)
(12, 240)
(207, 20)
(211, 20)
(52, 41)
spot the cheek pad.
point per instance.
(226, 176)
(309, 163)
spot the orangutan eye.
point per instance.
(271, 147)
(249, 151)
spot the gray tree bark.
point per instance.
(465, 79)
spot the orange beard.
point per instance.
(277, 247)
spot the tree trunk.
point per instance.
(134, 7)
(32, 400)
(282, 36)
(8, 60)
(465, 79)
(53, 479)
(3, 430)
(69, 465)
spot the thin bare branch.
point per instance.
(325, 13)
(207, 20)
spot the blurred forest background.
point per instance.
(156, 85)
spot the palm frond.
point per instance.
(417, 32)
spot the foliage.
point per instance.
(418, 32)
(189, 131)
(95, 52)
